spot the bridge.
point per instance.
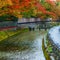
(40, 24)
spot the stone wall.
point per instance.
(54, 45)
(55, 51)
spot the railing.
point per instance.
(38, 22)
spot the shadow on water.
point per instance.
(21, 46)
(20, 42)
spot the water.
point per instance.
(31, 40)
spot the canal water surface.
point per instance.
(30, 47)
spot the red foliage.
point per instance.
(41, 8)
(50, 2)
(26, 3)
(14, 7)
(51, 13)
(15, 1)
(27, 0)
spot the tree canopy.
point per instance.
(8, 18)
(30, 8)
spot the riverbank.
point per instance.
(8, 33)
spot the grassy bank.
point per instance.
(45, 52)
(8, 33)
(15, 42)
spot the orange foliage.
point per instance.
(50, 2)
(15, 1)
(58, 0)
(41, 8)
(25, 5)
(14, 7)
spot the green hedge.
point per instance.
(8, 18)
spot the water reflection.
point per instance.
(30, 47)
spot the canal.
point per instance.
(29, 47)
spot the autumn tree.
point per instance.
(30, 8)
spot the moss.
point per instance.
(45, 52)
(49, 46)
